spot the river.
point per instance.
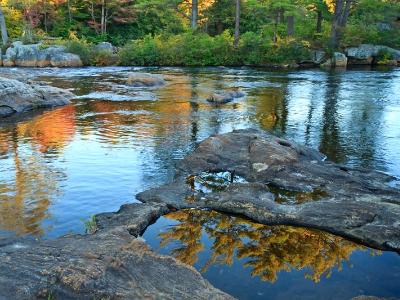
(59, 167)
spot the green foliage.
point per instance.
(384, 56)
(200, 49)
(81, 48)
(91, 225)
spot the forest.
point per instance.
(201, 32)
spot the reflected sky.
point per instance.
(62, 166)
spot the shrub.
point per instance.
(103, 58)
(80, 48)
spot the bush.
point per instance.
(80, 48)
(103, 58)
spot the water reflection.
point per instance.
(267, 250)
(96, 154)
(30, 182)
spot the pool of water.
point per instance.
(60, 167)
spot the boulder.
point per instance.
(246, 172)
(65, 60)
(10, 57)
(339, 60)
(104, 46)
(112, 263)
(19, 97)
(145, 80)
(318, 56)
(36, 55)
(327, 64)
(365, 54)
(225, 97)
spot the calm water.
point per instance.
(62, 166)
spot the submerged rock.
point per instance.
(19, 97)
(225, 97)
(354, 203)
(112, 263)
(145, 80)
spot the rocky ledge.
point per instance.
(112, 263)
(19, 97)
(274, 181)
(38, 55)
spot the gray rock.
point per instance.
(36, 55)
(366, 53)
(225, 96)
(354, 203)
(145, 80)
(112, 263)
(19, 97)
(10, 57)
(318, 56)
(65, 60)
(339, 60)
(104, 46)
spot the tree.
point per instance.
(237, 24)
(339, 21)
(195, 13)
(3, 27)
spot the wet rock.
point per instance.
(19, 97)
(355, 203)
(110, 264)
(36, 55)
(145, 80)
(340, 60)
(225, 97)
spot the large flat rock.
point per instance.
(274, 181)
(112, 263)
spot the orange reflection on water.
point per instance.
(51, 130)
(267, 250)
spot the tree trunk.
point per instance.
(319, 21)
(237, 24)
(290, 25)
(195, 13)
(103, 13)
(339, 21)
(3, 27)
(69, 11)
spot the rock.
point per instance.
(10, 57)
(318, 56)
(104, 46)
(225, 97)
(354, 203)
(65, 60)
(113, 263)
(18, 97)
(145, 80)
(363, 297)
(365, 54)
(327, 64)
(36, 55)
(339, 60)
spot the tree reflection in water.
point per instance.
(267, 250)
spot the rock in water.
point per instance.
(110, 264)
(352, 202)
(225, 97)
(365, 54)
(18, 97)
(145, 80)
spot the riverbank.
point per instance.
(193, 52)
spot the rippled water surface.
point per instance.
(59, 167)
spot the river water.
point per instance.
(59, 167)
